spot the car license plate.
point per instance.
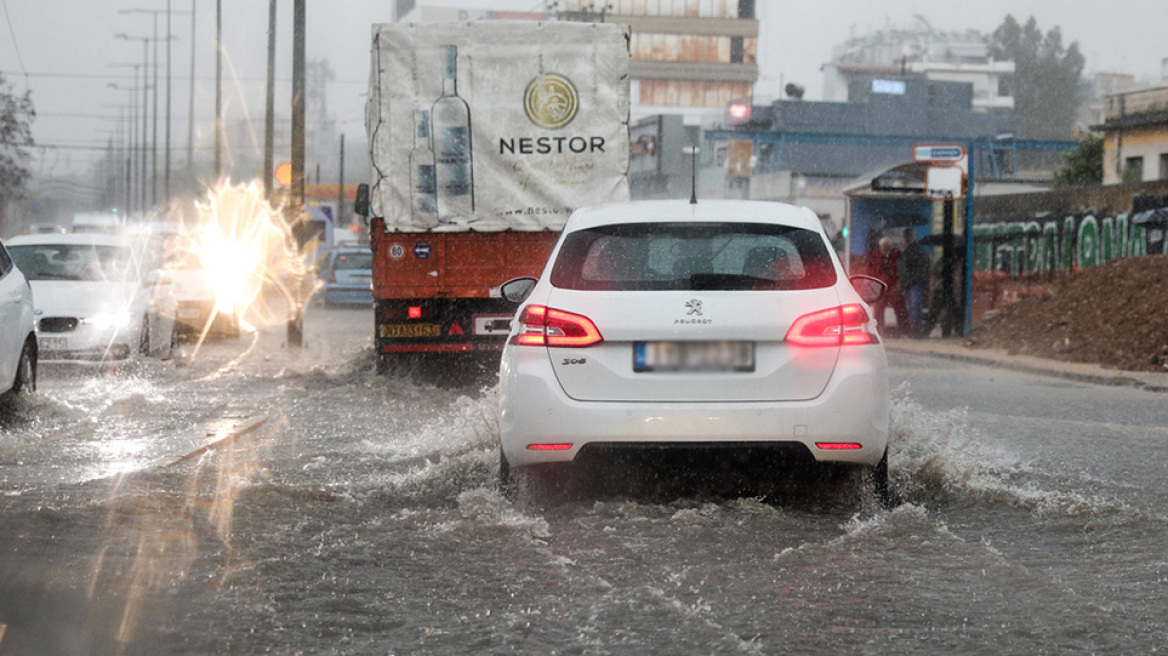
(393, 330)
(53, 343)
(693, 356)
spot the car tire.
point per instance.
(26, 370)
(878, 479)
(507, 481)
(144, 337)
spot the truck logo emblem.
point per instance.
(694, 307)
(551, 101)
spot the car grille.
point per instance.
(57, 324)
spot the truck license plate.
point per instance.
(392, 330)
(693, 356)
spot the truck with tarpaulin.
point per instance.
(484, 137)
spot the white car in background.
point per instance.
(100, 299)
(18, 342)
(665, 326)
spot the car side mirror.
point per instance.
(517, 290)
(870, 289)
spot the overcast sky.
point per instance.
(70, 54)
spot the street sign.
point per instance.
(938, 152)
(944, 182)
(942, 154)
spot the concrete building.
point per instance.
(1135, 136)
(924, 52)
(808, 152)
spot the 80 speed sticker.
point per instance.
(397, 251)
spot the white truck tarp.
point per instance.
(542, 127)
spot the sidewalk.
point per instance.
(954, 348)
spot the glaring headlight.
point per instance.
(109, 320)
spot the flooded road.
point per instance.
(260, 499)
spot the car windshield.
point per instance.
(661, 256)
(79, 262)
(347, 261)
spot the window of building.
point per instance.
(1133, 169)
(1164, 166)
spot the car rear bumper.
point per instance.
(852, 409)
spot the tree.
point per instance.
(1083, 165)
(16, 115)
(1046, 77)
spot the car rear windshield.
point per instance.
(346, 261)
(693, 256)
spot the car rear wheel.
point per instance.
(880, 486)
(506, 481)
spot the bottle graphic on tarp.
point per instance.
(451, 139)
(423, 180)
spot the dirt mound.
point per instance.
(1115, 315)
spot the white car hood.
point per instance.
(74, 298)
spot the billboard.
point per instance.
(496, 125)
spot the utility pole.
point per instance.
(218, 90)
(191, 100)
(270, 109)
(340, 220)
(166, 179)
(296, 204)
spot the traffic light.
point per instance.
(738, 112)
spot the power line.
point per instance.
(15, 46)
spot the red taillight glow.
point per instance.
(543, 326)
(839, 446)
(415, 312)
(549, 447)
(839, 326)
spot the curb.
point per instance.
(1080, 372)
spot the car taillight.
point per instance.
(544, 326)
(839, 326)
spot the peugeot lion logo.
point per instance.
(551, 101)
(694, 307)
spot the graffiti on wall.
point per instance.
(1048, 245)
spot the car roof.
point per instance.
(654, 211)
(71, 238)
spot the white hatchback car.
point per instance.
(100, 299)
(18, 343)
(722, 324)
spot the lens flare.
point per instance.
(244, 246)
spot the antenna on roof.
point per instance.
(693, 151)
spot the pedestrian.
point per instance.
(913, 272)
(877, 269)
(882, 264)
